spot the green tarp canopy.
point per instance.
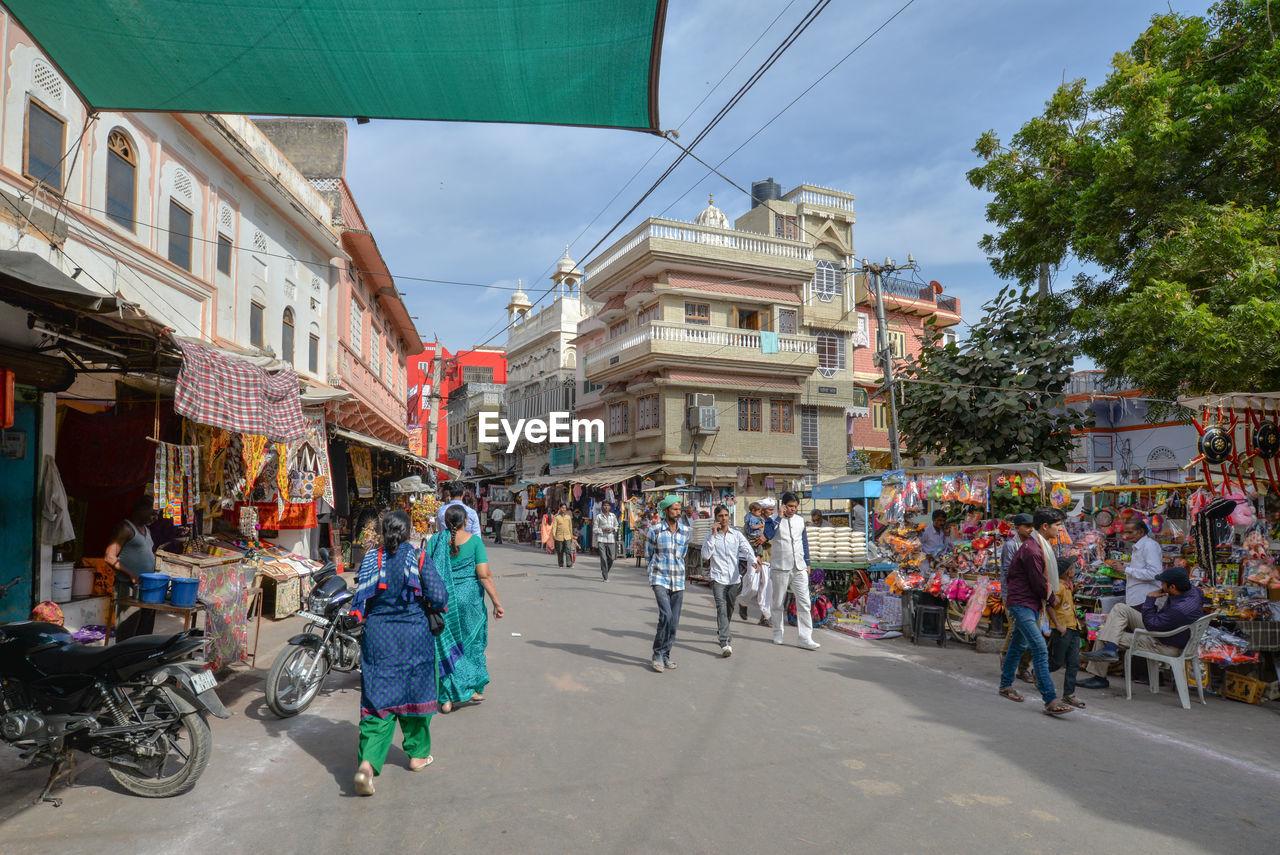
(558, 62)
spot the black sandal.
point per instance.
(1012, 694)
(1071, 699)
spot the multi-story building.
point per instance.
(466, 403)
(371, 336)
(754, 328)
(480, 364)
(1122, 439)
(542, 365)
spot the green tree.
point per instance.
(998, 397)
(1164, 178)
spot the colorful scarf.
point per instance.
(373, 577)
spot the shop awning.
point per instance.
(613, 475)
(392, 448)
(27, 280)
(559, 62)
(1048, 477)
(235, 395)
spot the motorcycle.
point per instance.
(331, 642)
(140, 705)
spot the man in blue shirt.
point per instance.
(452, 496)
(665, 549)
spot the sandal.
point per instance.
(429, 760)
(476, 698)
(1071, 699)
(1027, 677)
(1057, 707)
(1012, 694)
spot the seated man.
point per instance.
(1183, 606)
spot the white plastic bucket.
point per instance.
(82, 582)
(63, 578)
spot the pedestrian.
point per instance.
(131, 553)
(1022, 529)
(665, 550)
(1064, 639)
(817, 520)
(464, 565)
(562, 533)
(1030, 592)
(496, 516)
(547, 538)
(397, 651)
(859, 521)
(790, 569)
(724, 547)
(606, 532)
(452, 495)
(764, 549)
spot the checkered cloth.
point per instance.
(665, 551)
(239, 396)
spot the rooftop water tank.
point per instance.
(765, 191)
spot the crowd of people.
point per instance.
(426, 619)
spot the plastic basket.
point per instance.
(1240, 687)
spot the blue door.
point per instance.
(19, 454)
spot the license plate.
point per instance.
(203, 681)
(313, 617)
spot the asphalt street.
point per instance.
(862, 746)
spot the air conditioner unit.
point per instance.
(702, 399)
(703, 419)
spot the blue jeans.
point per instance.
(669, 603)
(1026, 635)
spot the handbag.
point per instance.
(435, 617)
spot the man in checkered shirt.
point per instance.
(665, 548)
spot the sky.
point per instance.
(894, 124)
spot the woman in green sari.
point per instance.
(464, 565)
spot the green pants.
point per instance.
(377, 734)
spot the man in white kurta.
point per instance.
(790, 569)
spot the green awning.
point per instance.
(558, 62)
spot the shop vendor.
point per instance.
(1145, 563)
(1173, 605)
(934, 538)
(131, 553)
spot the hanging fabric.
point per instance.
(254, 453)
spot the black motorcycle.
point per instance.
(140, 705)
(331, 642)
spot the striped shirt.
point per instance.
(665, 551)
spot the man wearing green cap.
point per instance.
(665, 548)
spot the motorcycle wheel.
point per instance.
(189, 745)
(286, 695)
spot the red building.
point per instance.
(476, 365)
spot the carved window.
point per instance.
(122, 179)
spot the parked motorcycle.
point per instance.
(140, 705)
(331, 642)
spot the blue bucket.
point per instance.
(153, 587)
(182, 592)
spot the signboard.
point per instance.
(859, 407)
(828, 390)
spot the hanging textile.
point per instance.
(213, 389)
(308, 463)
(282, 471)
(213, 443)
(254, 453)
(55, 513)
(362, 467)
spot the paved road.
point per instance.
(858, 747)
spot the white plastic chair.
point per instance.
(1178, 664)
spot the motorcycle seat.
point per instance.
(82, 659)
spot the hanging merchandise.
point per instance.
(175, 485)
(1030, 484)
(911, 502)
(248, 523)
(362, 467)
(979, 491)
(1059, 495)
(282, 471)
(254, 452)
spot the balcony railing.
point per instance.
(674, 230)
(1093, 383)
(812, 196)
(726, 337)
(899, 287)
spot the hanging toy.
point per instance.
(1059, 495)
(1030, 484)
(1216, 445)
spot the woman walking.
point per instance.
(464, 564)
(397, 652)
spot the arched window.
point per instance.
(122, 178)
(286, 337)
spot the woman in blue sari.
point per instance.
(397, 650)
(460, 649)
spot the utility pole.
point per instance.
(433, 424)
(875, 273)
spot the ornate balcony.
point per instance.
(908, 297)
(663, 342)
